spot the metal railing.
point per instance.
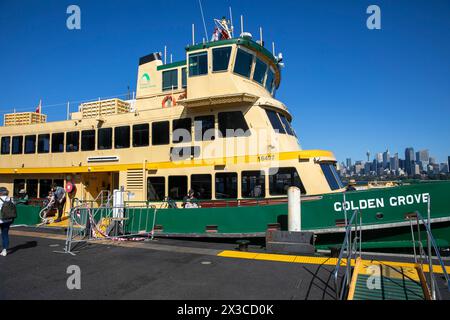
(427, 256)
(351, 249)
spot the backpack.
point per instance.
(8, 210)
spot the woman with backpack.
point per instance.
(5, 223)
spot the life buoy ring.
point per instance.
(70, 187)
(167, 98)
(182, 96)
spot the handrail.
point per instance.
(431, 244)
(352, 249)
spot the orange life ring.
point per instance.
(70, 187)
(166, 98)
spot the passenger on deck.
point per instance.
(189, 202)
(6, 223)
(60, 198)
(23, 197)
(351, 185)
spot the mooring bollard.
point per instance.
(294, 209)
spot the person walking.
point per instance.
(4, 223)
(60, 199)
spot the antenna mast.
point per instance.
(231, 21)
(203, 18)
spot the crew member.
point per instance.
(60, 199)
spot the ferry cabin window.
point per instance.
(17, 145)
(243, 64)
(104, 141)
(198, 64)
(233, 124)
(184, 77)
(204, 128)
(72, 141)
(32, 188)
(226, 185)
(260, 71)
(177, 187)
(6, 145)
(270, 80)
(287, 125)
(156, 188)
(332, 176)
(57, 142)
(170, 79)
(202, 186)
(275, 121)
(43, 143)
(45, 185)
(253, 184)
(280, 179)
(30, 144)
(59, 182)
(19, 184)
(87, 140)
(181, 130)
(141, 135)
(122, 137)
(221, 58)
(160, 133)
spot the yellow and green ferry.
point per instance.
(210, 123)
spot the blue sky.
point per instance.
(349, 89)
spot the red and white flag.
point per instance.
(39, 107)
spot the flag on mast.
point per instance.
(39, 107)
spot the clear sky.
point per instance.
(350, 89)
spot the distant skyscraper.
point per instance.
(432, 160)
(448, 162)
(409, 160)
(395, 163)
(386, 159)
(422, 155)
(368, 156)
(349, 163)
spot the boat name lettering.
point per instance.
(394, 201)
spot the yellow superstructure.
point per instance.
(140, 144)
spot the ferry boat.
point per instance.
(210, 123)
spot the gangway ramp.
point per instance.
(378, 281)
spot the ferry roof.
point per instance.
(241, 41)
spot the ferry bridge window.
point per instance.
(32, 188)
(19, 184)
(226, 185)
(181, 130)
(177, 187)
(204, 128)
(17, 145)
(72, 141)
(270, 80)
(233, 124)
(253, 184)
(30, 144)
(170, 79)
(156, 188)
(43, 143)
(198, 64)
(87, 140)
(221, 58)
(287, 125)
(202, 186)
(141, 135)
(45, 185)
(243, 64)
(104, 141)
(275, 121)
(329, 170)
(280, 179)
(122, 137)
(260, 71)
(57, 142)
(6, 145)
(184, 77)
(160, 133)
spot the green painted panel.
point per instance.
(27, 215)
(172, 65)
(391, 289)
